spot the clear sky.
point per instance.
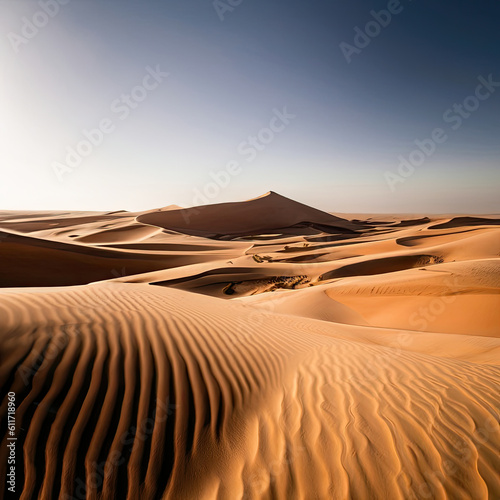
(283, 95)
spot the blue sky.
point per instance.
(186, 138)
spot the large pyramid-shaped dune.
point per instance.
(270, 213)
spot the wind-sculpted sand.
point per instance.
(297, 355)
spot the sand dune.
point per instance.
(271, 213)
(267, 350)
(467, 221)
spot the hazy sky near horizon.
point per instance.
(260, 95)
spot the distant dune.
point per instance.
(253, 350)
(271, 213)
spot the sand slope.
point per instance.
(325, 365)
(252, 404)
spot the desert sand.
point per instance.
(252, 350)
